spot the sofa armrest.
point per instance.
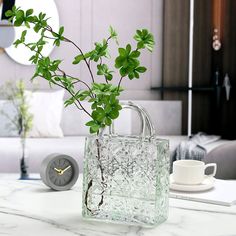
(225, 158)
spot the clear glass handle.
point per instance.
(146, 123)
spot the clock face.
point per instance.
(59, 172)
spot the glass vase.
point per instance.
(126, 179)
(24, 161)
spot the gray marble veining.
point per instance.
(29, 208)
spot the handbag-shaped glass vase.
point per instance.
(126, 178)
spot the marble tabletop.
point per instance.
(28, 208)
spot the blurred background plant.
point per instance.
(22, 122)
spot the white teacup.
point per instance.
(191, 171)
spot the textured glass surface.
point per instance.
(126, 179)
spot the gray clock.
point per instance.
(59, 172)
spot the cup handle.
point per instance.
(214, 169)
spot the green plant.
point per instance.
(23, 120)
(103, 97)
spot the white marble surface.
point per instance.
(28, 208)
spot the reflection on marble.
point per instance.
(28, 208)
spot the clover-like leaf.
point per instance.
(104, 70)
(144, 39)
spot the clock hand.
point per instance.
(58, 170)
(67, 168)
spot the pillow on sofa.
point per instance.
(46, 108)
(7, 113)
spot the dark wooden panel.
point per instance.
(228, 118)
(202, 102)
(228, 108)
(176, 40)
(229, 40)
(175, 53)
(202, 43)
(201, 112)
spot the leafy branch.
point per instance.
(105, 106)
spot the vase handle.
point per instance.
(146, 123)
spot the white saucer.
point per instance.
(206, 184)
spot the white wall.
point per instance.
(87, 21)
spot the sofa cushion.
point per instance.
(7, 114)
(46, 108)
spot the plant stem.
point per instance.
(89, 68)
(48, 37)
(118, 88)
(77, 80)
(81, 106)
(86, 195)
(81, 81)
(91, 181)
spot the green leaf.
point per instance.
(113, 33)
(131, 75)
(69, 101)
(17, 42)
(136, 75)
(100, 51)
(141, 69)
(122, 52)
(109, 77)
(37, 27)
(98, 116)
(61, 30)
(31, 19)
(29, 12)
(144, 39)
(94, 128)
(108, 121)
(140, 45)
(123, 72)
(27, 24)
(135, 54)
(114, 114)
(91, 123)
(54, 34)
(23, 34)
(119, 62)
(81, 57)
(9, 13)
(104, 70)
(128, 48)
(18, 22)
(20, 14)
(57, 42)
(108, 109)
(113, 99)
